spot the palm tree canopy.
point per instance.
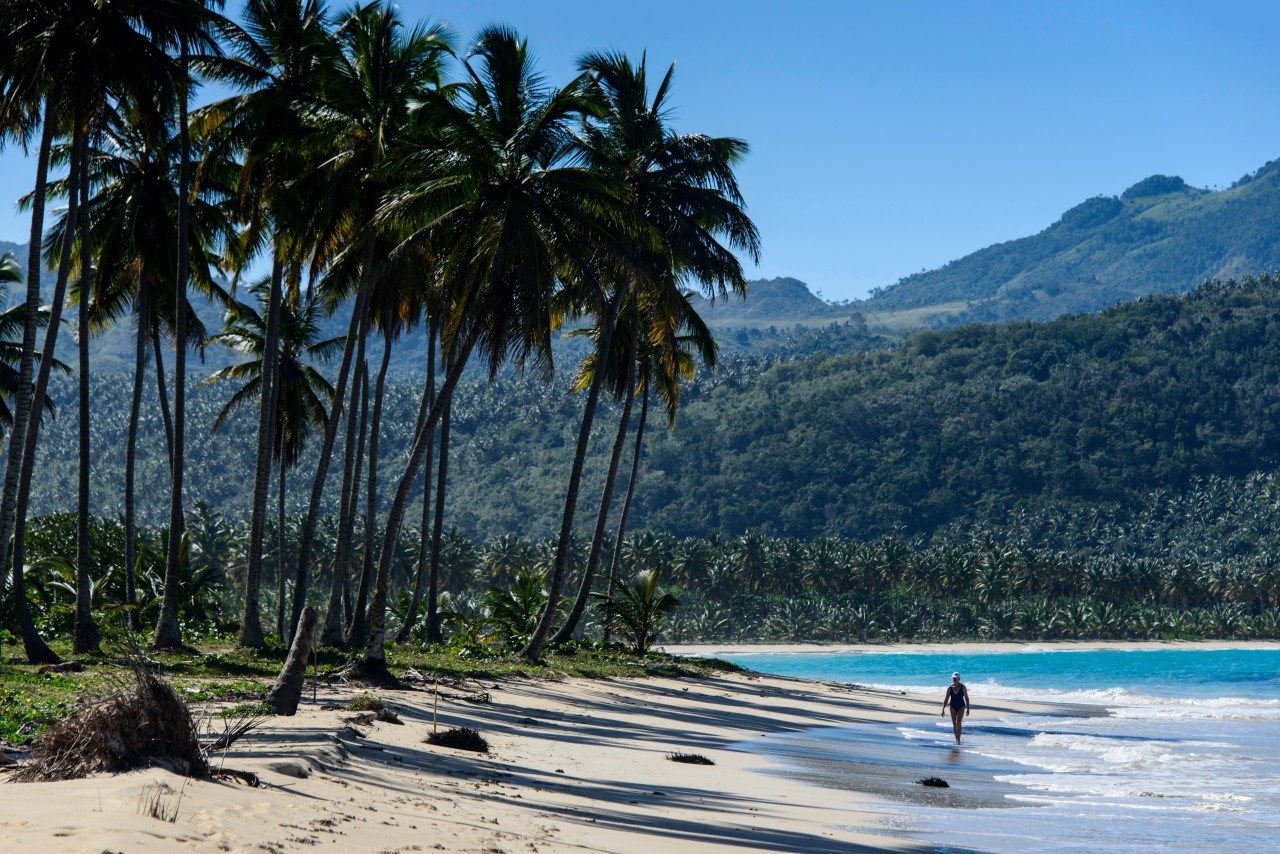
(490, 191)
(305, 394)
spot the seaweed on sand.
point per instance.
(463, 738)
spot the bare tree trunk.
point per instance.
(37, 650)
(251, 634)
(26, 370)
(355, 629)
(371, 510)
(616, 563)
(375, 661)
(85, 635)
(332, 633)
(602, 518)
(166, 414)
(424, 536)
(533, 649)
(437, 528)
(287, 690)
(282, 558)
(303, 574)
(130, 460)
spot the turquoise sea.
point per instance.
(1154, 750)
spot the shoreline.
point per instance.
(712, 650)
(575, 765)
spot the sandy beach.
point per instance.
(573, 765)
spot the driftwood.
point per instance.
(287, 691)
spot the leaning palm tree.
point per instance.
(274, 59)
(39, 39)
(490, 193)
(302, 394)
(683, 189)
(648, 340)
(368, 87)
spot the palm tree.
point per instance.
(368, 89)
(303, 394)
(649, 347)
(12, 320)
(275, 58)
(134, 207)
(491, 196)
(638, 609)
(39, 37)
(684, 190)
(183, 25)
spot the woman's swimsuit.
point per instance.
(956, 692)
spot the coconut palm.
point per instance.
(133, 207)
(274, 58)
(489, 193)
(368, 88)
(637, 610)
(184, 27)
(649, 343)
(12, 321)
(302, 394)
(683, 189)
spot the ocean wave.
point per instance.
(1121, 702)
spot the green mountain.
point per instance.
(771, 302)
(1085, 417)
(1158, 236)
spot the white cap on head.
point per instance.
(955, 675)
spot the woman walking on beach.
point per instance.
(957, 699)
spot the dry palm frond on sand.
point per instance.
(138, 723)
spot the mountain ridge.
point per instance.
(1160, 235)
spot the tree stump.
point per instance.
(287, 691)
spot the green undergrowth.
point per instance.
(30, 701)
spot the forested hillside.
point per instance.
(985, 425)
(1158, 236)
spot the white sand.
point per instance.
(575, 765)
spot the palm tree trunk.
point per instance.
(282, 552)
(533, 649)
(168, 634)
(375, 661)
(37, 650)
(332, 632)
(26, 371)
(85, 635)
(302, 575)
(166, 414)
(437, 530)
(371, 506)
(602, 519)
(424, 537)
(616, 562)
(251, 621)
(355, 629)
(130, 461)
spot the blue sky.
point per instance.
(890, 137)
